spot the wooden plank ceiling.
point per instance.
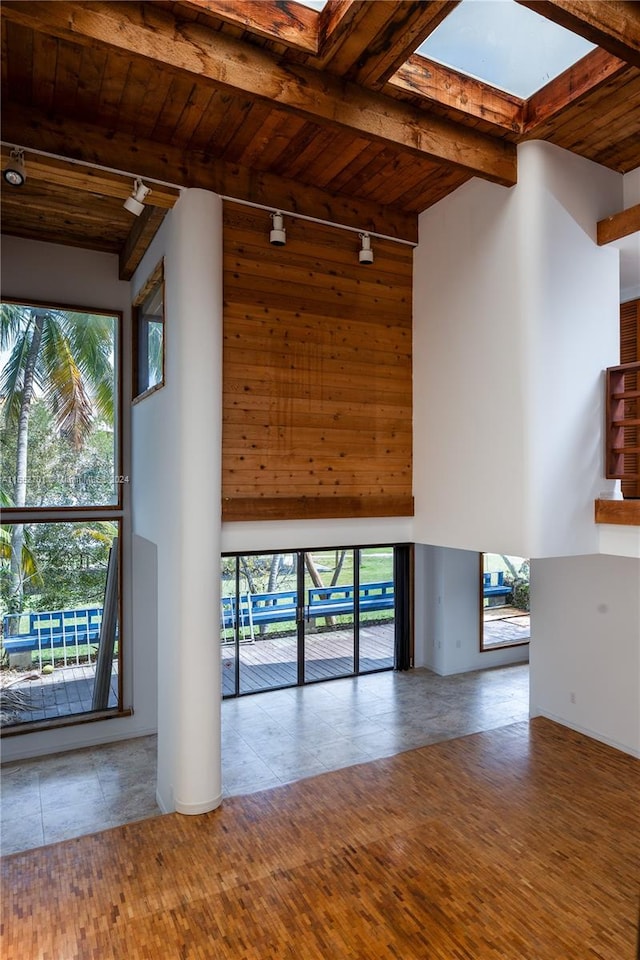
(328, 114)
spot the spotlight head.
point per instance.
(278, 236)
(135, 203)
(15, 173)
(365, 254)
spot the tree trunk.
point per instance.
(317, 581)
(512, 569)
(338, 569)
(16, 586)
(272, 583)
(273, 572)
(249, 576)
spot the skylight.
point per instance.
(314, 4)
(505, 45)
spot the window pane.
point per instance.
(52, 606)
(504, 44)
(377, 608)
(58, 395)
(148, 345)
(155, 349)
(330, 614)
(266, 617)
(505, 601)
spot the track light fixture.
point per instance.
(365, 254)
(278, 236)
(15, 172)
(135, 203)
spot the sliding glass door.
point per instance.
(329, 621)
(377, 609)
(304, 616)
(259, 614)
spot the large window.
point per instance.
(308, 615)
(62, 491)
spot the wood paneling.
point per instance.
(621, 512)
(149, 33)
(269, 102)
(317, 373)
(520, 843)
(630, 353)
(620, 225)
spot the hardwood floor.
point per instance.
(519, 842)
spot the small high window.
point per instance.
(148, 334)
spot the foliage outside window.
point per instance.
(148, 332)
(59, 439)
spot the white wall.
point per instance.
(447, 628)
(297, 534)
(468, 394)
(629, 247)
(630, 189)
(176, 502)
(515, 316)
(68, 276)
(586, 642)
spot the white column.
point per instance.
(194, 270)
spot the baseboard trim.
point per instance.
(592, 734)
(193, 809)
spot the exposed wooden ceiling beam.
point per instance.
(198, 51)
(289, 23)
(614, 25)
(370, 44)
(92, 144)
(619, 225)
(89, 179)
(582, 78)
(143, 230)
(433, 82)
(337, 18)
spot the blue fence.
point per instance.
(281, 606)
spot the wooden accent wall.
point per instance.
(317, 373)
(630, 353)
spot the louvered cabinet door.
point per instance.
(630, 353)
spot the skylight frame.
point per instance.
(488, 19)
(317, 5)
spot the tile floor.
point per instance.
(267, 739)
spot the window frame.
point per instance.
(301, 679)
(69, 514)
(483, 646)
(154, 282)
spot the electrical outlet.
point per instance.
(572, 697)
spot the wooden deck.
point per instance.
(267, 663)
(505, 626)
(520, 843)
(65, 692)
(264, 664)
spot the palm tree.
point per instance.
(67, 359)
(28, 562)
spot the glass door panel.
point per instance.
(329, 631)
(228, 640)
(267, 621)
(376, 624)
